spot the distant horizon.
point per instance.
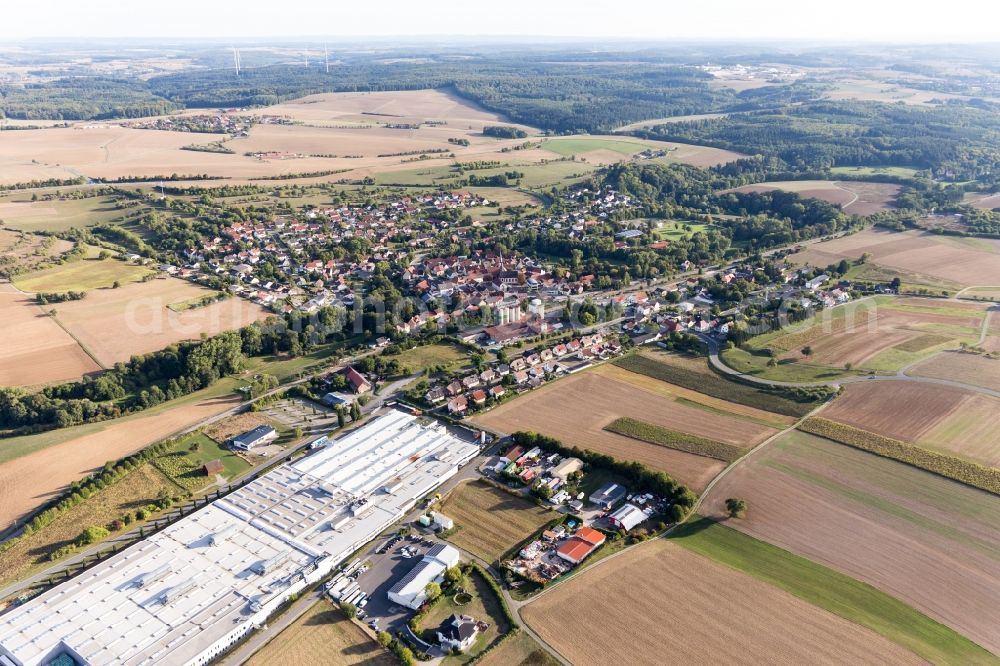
(851, 21)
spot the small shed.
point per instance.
(213, 467)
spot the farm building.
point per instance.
(627, 516)
(409, 590)
(567, 467)
(357, 381)
(576, 548)
(608, 495)
(189, 592)
(213, 467)
(259, 436)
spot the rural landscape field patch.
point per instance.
(575, 410)
(491, 521)
(116, 324)
(950, 420)
(661, 585)
(929, 541)
(323, 631)
(936, 256)
(35, 349)
(856, 197)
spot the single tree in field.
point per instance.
(736, 507)
(807, 351)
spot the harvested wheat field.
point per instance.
(35, 349)
(926, 540)
(322, 636)
(34, 478)
(951, 420)
(974, 369)
(966, 262)
(576, 409)
(116, 324)
(674, 606)
(491, 521)
(855, 197)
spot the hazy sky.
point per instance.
(842, 20)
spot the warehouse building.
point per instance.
(409, 590)
(186, 594)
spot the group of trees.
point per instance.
(142, 382)
(954, 142)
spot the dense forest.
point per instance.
(954, 142)
(82, 98)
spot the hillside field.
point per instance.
(879, 334)
(855, 197)
(661, 585)
(938, 260)
(928, 541)
(946, 419)
(577, 409)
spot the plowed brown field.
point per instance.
(951, 420)
(576, 409)
(967, 262)
(662, 604)
(33, 348)
(926, 540)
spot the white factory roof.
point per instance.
(281, 524)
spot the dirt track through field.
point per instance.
(923, 539)
(662, 604)
(33, 479)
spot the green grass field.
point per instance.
(184, 466)
(579, 145)
(18, 212)
(425, 356)
(678, 229)
(672, 439)
(80, 276)
(900, 172)
(832, 591)
(755, 363)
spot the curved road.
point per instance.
(900, 376)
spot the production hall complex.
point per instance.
(188, 593)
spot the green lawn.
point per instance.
(756, 364)
(832, 591)
(184, 466)
(578, 145)
(678, 229)
(425, 356)
(484, 606)
(81, 275)
(900, 172)
(19, 212)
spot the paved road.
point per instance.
(900, 376)
(262, 637)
